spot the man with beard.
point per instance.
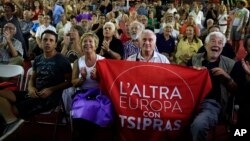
(215, 103)
(132, 46)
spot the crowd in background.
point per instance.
(180, 30)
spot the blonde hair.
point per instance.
(92, 35)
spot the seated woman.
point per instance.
(83, 78)
(71, 45)
(187, 46)
(190, 21)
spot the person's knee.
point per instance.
(17, 60)
(198, 125)
(8, 95)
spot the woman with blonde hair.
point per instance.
(83, 79)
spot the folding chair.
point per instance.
(28, 74)
(10, 71)
(52, 118)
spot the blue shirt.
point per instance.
(164, 45)
(130, 49)
(58, 10)
(35, 27)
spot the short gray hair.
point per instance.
(111, 24)
(148, 31)
(217, 34)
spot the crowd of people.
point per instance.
(57, 33)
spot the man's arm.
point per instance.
(32, 91)
(44, 93)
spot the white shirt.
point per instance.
(222, 19)
(88, 83)
(157, 58)
(42, 28)
(171, 10)
(240, 16)
(198, 17)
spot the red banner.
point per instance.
(153, 102)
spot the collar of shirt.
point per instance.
(140, 57)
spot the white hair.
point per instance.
(148, 31)
(167, 25)
(111, 24)
(136, 23)
(217, 34)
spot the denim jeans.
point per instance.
(205, 120)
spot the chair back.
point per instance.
(10, 71)
(28, 74)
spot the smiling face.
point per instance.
(214, 47)
(88, 45)
(147, 41)
(190, 32)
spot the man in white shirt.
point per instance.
(147, 43)
(171, 9)
(42, 28)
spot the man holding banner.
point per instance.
(147, 43)
(153, 100)
(216, 101)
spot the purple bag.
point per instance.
(94, 106)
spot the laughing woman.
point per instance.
(187, 46)
(83, 78)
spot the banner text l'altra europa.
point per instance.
(153, 101)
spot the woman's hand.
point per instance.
(83, 72)
(93, 74)
(66, 40)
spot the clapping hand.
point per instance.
(93, 74)
(83, 72)
(105, 45)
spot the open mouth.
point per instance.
(215, 49)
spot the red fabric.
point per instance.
(184, 27)
(8, 86)
(154, 102)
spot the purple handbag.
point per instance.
(94, 106)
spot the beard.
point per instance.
(135, 36)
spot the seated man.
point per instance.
(51, 74)
(147, 42)
(216, 101)
(227, 49)
(11, 51)
(132, 46)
